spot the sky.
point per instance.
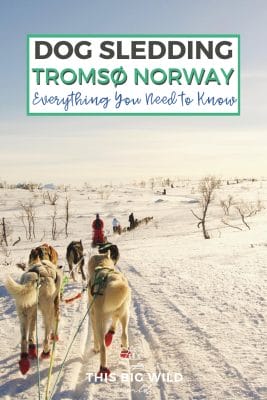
(115, 149)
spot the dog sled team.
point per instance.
(40, 285)
(98, 227)
(98, 230)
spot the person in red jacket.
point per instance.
(98, 231)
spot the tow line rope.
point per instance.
(37, 345)
(77, 266)
(70, 345)
(102, 285)
(65, 281)
(52, 359)
(77, 296)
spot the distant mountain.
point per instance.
(50, 186)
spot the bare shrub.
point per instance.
(207, 187)
(67, 215)
(227, 204)
(152, 183)
(227, 223)
(54, 224)
(16, 241)
(5, 232)
(246, 210)
(27, 218)
(52, 198)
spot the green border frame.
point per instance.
(42, 35)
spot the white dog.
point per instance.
(110, 295)
(49, 277)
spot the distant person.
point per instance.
(116, 226)
(131, 220)
(98, 231)
(164, 191)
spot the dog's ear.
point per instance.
(103, 248)
(33, 254)
(114, 253)
(39, 252)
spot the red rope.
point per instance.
(77, 296)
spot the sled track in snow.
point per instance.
(146, 355)
(186, 334)
(150, 340)
(71, 317)
(166, 360)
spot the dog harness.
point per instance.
(44, 271)
(101, 280)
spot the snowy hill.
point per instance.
(197, 320)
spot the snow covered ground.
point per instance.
(197, 321)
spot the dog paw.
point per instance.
(24, 363)
(125, 353)
(54, 337)
(104, 372)
(45, 355)
(108, 338)
(32, 351)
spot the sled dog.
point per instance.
(75, 257)
(43, 252)
(104, 248)
(110, 296)
(48, 278)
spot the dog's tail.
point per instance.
(117, 292)
(25, 295)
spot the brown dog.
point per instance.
(75, 257)
(43, 252)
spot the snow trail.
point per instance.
(197, 306)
